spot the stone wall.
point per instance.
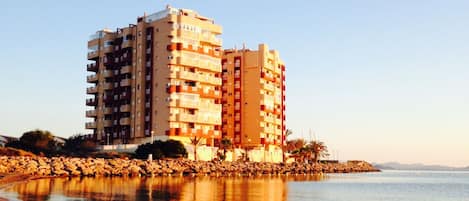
(61, 166)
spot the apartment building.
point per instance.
(159, 78)
(253, 114)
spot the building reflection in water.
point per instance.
(160, 188)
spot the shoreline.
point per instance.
(96, 167)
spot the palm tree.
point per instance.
(225, 144)
(288, 132)
(195, 141)
(295, 145)
(317, 149)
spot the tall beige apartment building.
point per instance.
(254, 98)
(160, 77)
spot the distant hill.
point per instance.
(416, 166)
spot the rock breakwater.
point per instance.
(94, 167)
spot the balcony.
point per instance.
(186, 118)
(107, 123)
(125, 108)
(269, 66)
(186, 75)
(91, 113)
(107, 110)
(210, 94)
(91, 102)
(126, 69)
(125, 121)
(90, 125)
(93, 55)
(269, 87)
(210, 38)
(93, 67)
(185, 104)
(107, 86)
(125, 82)
(92, 78)
(210, 79)
(108, 49)
(268, 119)
(188, 61)
(184, 132)
(278, 121)
(108, 73)
(268, 77)
(182, 88)
(269, 130)
(125, 95)
(92, 90)
(127, 43)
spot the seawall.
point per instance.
(94, 167)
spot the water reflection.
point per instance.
(159, 188)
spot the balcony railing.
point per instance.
(187, 103)
(125, 121)
(92, 90)
(108, 49)
(127, 43)
(107, 123)
(91, 102)
(92, 78)
(126, 69)
(93, 54)
(107, 110)
(93, 67)
(91, 113)
(125, 82)
(125, 108)
(107, 86)
(108, 73)
(90, 125)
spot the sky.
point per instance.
(375, 80)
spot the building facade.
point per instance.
(253, 113)
(157, 79)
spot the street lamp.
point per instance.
(152, 136)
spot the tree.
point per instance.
(144, 150)
(160, 149)
(37, 141)
(78, 145)
(174, 149)
(195, 141)
(288, 132)
(317, 149)
(294, 146)
(225, 144)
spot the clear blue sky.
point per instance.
(376, 80)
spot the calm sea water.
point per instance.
(384, 186)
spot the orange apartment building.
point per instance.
(253, 113)
(157, 79)
(167, 77)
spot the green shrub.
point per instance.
(36, 141)
(161, 149)
(78, 146)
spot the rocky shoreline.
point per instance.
(95, 167)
